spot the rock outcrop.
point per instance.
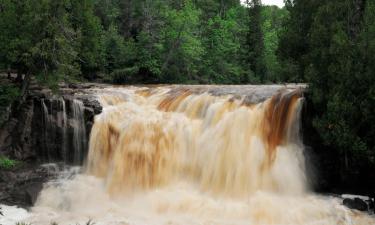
(44, 128)
(361, 203)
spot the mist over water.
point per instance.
(175, 155)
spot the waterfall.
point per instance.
(219, 142)
(188, 155)
(46, 125)
(64, 133)
(79, 133)
(64, 136)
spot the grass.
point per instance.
(7, 163)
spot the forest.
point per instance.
(330, 45)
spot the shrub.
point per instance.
(124, 75)
(8, 93)
(6, 163)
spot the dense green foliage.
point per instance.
(6, 163)
(8, 94)
(331, 45)
(128, 41)
(254, 40)
(272, 27)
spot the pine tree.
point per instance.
(255, 42)
(294, 39)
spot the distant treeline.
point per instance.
(142, 41)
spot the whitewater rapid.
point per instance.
(85, 198)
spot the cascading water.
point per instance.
(64, 125)
(184, 155)
(217, 142)
(79, 133)
(68, 131)
(46, 129)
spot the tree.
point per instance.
(181, 46)
(340, 82)
(255, 42)
(294, 39)
(330, 45)
(222, 43)
(272, 22)
(108, 11)
(89, 32)
(40, 40)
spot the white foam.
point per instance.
(12, 215)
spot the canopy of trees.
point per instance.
(141, 41)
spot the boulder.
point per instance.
(32, 191)
(356, 203)
(22, 185)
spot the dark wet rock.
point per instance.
(32, 191)
(22, 185)
(356, 203)
(372, 204)
(25, 136)
(15, 135)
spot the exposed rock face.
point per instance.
(21, 186)
(42, 128)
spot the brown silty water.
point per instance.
(194, 155)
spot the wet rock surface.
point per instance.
(361, 203)
(22, 137)
(21, 186)
(36, 132)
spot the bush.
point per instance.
(8, 93)
(6, 163)
(126, 75)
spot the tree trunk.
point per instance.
(25, 86)
(346, 160)
(19, 77)
(222, 9)
(355, 18)
(9, 73)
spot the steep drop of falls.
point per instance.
(193, 155)
(144, 140)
